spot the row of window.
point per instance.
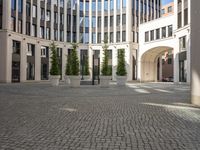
(182, 14)
(111, 37)
(159, 33)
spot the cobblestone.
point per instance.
(37, 116)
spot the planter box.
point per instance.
(105, 81)
(55, 80)
(67, 80)
(74, 81)
(121, 80)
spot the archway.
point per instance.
(157, 64)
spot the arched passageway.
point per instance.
(157, 64)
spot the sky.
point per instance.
(164, 2)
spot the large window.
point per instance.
(123, 36)
(170, 31)
(163, 32)
(34, 11)
(111, 5)
(13, 4)
(28, 9)
(185, 16)
(123, 3)
(152, 35)
(182, 43)
(147, 36)
(157, 34)
(118, 4)
(179, 19)
(118, 36)
(20, 6)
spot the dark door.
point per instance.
(15, 71)
(96, 66)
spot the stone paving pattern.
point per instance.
(37, 116)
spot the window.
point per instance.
(118, 20)
(99, 22)
(123, 19)
(111, 21)
(55, 17)
(28, 28)
(13, 26)
(170, 30)
(99, 5)
(118, 36)
(169, 9)
(93, 37)
(99, 37)
(34, 30)
(152, 35)
(179, 19)
(48, 15)
(185, 16)
(13, 4)
(20, 26)
(34, 11)
(42, 13)
(61, 18)
(118, 4)
(182, 43)
(163, 32)
(123, 36)
(111, 37)
(28, 9)
(20, 6)
(111, 5)
(30, 50)
(41, 32)
(169, 60)
(147, 36)
(157, 34)
(123, 3)
(55, 34)
(106, 21)
(105, 5)
(48, 33)
(16, 47)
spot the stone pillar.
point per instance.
(38, 62)
(160, 67)
(195, 52)
(23, 61)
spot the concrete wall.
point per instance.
(195, 51)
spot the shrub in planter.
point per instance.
(121, 68)
(54, 71)
(106, 71)
(73, 67)
(86, 71)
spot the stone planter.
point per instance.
(121, 80)
(74, 81)
(86, 77)
(66, 79)
(105, 81)
(55, 80)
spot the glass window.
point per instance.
(111, 21)
(111, 37)
(20, 6)
(147, 36)
(106, 21)
(118, 4)
(152, 35)
(13, 4)
(123, 36)
(99, 5)
(106, 5)
(123, 3)
(124, 19)
(157, 34)
(170, 30)
(185, 16)
(169, 9)
(111, 4)
(163, 32)
(34, 11)
(118, 20)
(118, 36)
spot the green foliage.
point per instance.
(72, 66)
(121, 65)
(67, 69)
(86, 66)
(105, 70)
(54, 60)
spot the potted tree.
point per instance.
(74, 67)
(54, 71)
(67, 70)
(121, 68)
(105, 70)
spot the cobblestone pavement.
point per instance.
(36, 116)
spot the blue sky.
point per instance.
(164, 2)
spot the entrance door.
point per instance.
(15, 71)
(96, 66)
(182, 71)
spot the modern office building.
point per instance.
(27, 27)
(168, 34)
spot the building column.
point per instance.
(23, 61)
(38, 62)
(195, 53)
(160, 67)
(114, 62)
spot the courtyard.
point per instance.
(150, 116)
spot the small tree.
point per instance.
(74, 62)
(54, 60)
(86, 66)
(105, 70)
(68, 69)
(121, 66)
